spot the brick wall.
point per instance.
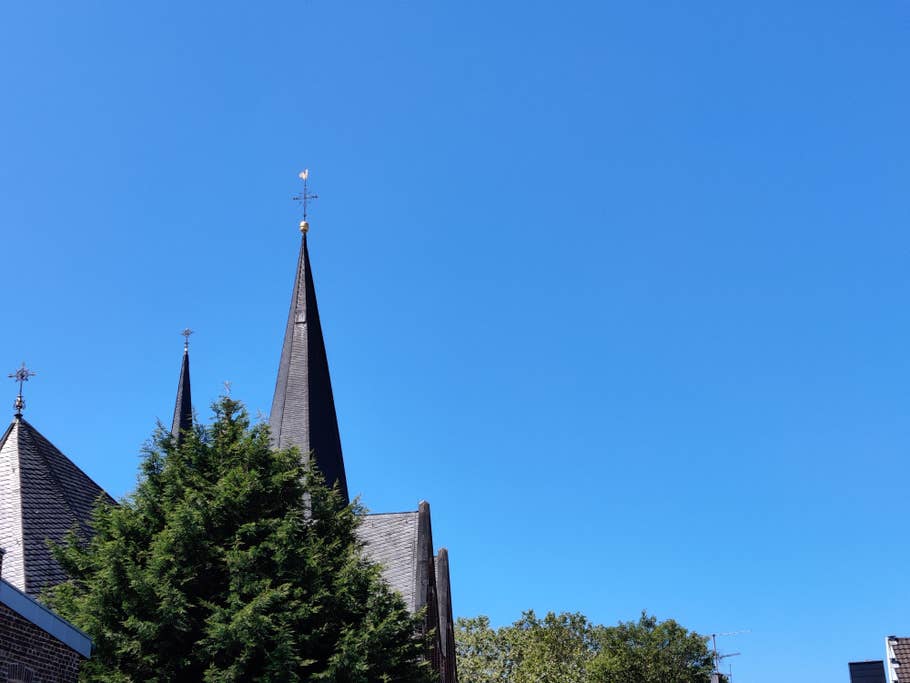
(30, 655)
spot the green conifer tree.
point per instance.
(233, 562)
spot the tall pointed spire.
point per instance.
(183, 408)
(303, 408)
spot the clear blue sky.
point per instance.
(622, 289)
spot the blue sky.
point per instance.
(620, 288)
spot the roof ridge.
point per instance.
(377, 514)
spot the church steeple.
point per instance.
(183, 407)
(303, 408)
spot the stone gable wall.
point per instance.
(28, 654)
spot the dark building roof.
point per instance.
(867, 672)
(183, 407)
(899, 659)
(402, 544)
(390, 540)
(303, 409)
(303, 415)
(44, 496)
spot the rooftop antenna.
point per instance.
(186, 338)
(304, 199)
(21, 375)
(719, 657)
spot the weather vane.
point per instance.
(186, 338)
(21, 375)
(304, 198)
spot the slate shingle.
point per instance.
(303, 407)
(48, 496)
(183, 406)
(390, 540)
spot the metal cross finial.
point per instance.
(21, 375)
(304, 198)
(186, 338)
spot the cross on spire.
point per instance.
(186, 338)
(304, 198)
(21, 375)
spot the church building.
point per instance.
(43, 494)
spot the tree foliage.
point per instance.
(233, 562)
(568, 648)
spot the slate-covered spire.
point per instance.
(303, 408)
(183, 407)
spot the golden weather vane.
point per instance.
(304, 198)
(21, 375)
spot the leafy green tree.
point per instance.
(568, 648)
(482, 652)
(648, 651)
(233, 562)
(555, 649)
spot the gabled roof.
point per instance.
(446, 624)
(183, 407)
(303, 408)
(42, 496)
(898, 659)
(402, 544)
(390, 540)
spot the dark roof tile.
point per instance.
(52, 497)
(303, 408)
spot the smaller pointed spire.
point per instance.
(183, 407)
(21, 375)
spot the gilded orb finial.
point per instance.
(304, 199)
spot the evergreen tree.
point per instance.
(233, 562)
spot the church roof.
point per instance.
(183, 407)
(402, 544)
(390, 540)
(44, 496)
(446, 624)
(303, 408)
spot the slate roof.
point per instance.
(390, 540)
(183, 407)
(402, 544)
(42, 496)
(303, 408)
(899, 659)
